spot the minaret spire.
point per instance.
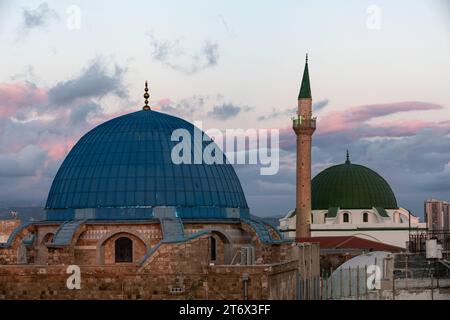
(305, 88)
(146, 96)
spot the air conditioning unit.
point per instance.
(247, 255)
(433, 249)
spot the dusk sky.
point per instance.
(380, 79)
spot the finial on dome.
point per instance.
(146, 96)
(348, 157)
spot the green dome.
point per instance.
(351, 186)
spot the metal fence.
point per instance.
(308, 289)
(404, 271)
(345, 283)
(417, 240)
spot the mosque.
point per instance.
(140, 226)
(118, 193)
(352, 200)
(344, 201)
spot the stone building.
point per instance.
(140, 225)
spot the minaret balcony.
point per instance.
(300, 123)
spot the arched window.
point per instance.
(213, 248)
(365, 217)
(48, 238)
(124, 250)
(346, 217)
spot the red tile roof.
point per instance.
(350, 242)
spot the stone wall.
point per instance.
(276, 281)
(139, 249)
(17, 253)
(182, 270)
(8, 256)
(7, 227)
(174, 271)
(283, 282)
(93, 243)
(183, 257)
(126, 282)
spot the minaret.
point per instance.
(304, 126)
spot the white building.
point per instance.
(353, 200)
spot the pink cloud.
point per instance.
(57, 148)
(354, 123)
(339, 121)
(367, 112)
(161, 104)
(16, 96)
(107, 116)
(333, 122)
(164, 102)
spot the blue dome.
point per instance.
(122, 169)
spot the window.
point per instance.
(48, 238)
(124, 250)
(213, 248)
(365, 217)
(346, 218)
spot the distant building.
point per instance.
(353, 200)
(437, 214)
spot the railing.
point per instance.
(302, 122)
(417, 240)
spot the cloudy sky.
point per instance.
(380, 75)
